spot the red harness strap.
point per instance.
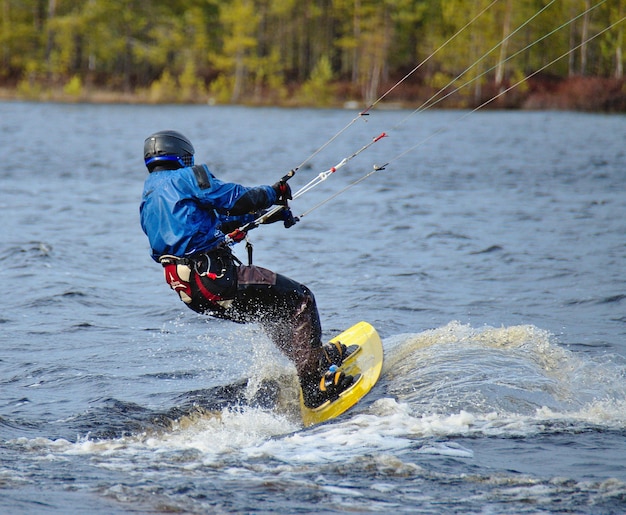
(211, 297)
(191, 290)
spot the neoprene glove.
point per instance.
(283, 192)
(284, 215)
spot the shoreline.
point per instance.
(591, 94)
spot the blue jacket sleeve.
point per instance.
(233, 199)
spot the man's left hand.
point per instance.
(285, 215)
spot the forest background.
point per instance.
(314, 52)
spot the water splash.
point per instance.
(506, 374)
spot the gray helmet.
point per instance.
(167, 149)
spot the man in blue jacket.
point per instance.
(186, 212)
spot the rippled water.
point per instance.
(490, 258)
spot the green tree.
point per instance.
(318, 89)
(616, 15)
(21, 44)
(237, 58)
(251, 50)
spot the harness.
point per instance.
(203, 281)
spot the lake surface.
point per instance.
(491, 258)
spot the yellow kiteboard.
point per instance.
(367, 361)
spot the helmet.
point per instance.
(167, 149)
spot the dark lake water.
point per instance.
(491, 258)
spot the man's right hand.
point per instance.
(283, 192)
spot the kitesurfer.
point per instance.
(186, 212)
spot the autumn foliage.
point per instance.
(319, 52)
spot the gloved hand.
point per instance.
(283, 192)
(237, 235)
(285, 215)
(288, 218)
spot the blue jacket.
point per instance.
(181, 216)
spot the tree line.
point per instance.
(313, 51)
